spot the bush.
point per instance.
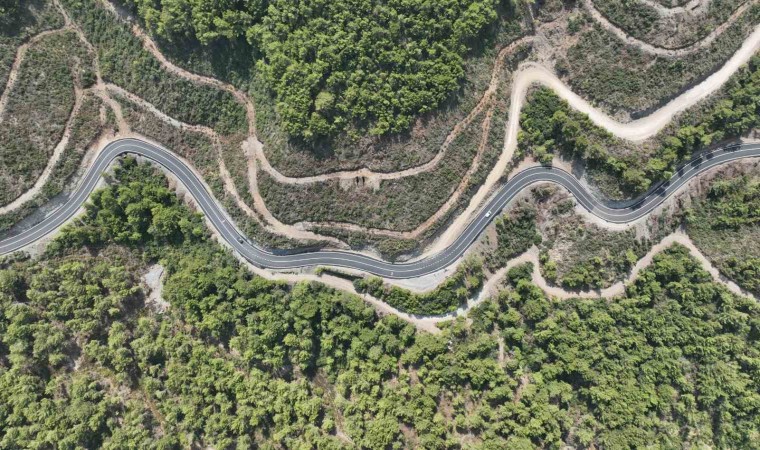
(340, 65)
(125, 62)
(549, 126)
(37, 111)
(515, 233)
(446, 298)
(726, 226)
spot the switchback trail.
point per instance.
(277, 259)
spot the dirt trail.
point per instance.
(153, 284)
(150, 45)
(276, 225)
(443, 210)
(53, 161)
(269, 223)
(158, 113)
(20, 53)
(692, 7)
(637, 130)
(527, 75)
(678, 237)
(655, 50)
(492, 285)
(100, 87)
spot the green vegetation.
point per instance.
(125, 62)
(9, 9)
(636, 18)
(550, 126)
(204, 154)
(623, 79)
(645, 23)
(399, 204)
(515, 233)
(85, 128)
(233, 63)
(238, 361)
(37, 111)
(359, 65)
(446, 298)
(725, 224)
(363, 63)
(734, 203)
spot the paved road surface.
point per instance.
(621, 213)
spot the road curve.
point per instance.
(274, 259)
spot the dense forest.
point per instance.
(339, 65)
(236, 361)
(8, 9)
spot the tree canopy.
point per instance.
(237, 361)
(550, 126)
(198, 19)
(8, 8)
(337, 65)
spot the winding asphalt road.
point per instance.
(620, 213)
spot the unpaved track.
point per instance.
(638, 130)
(98, 89)
(674, 52)
(52, 162)
(535, 74)
(492, 285)
(439, 214)
(678, 237)
(160, 114)
(20, 53)
(692, 7)
(61, 146)
(528, 74)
